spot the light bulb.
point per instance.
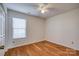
(42, 11)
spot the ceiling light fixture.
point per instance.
(42, 11)
(42, 8)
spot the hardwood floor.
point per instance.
(43, 48)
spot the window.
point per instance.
(19, 28)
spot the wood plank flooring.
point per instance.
(43, 48)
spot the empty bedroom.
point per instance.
(39, 29)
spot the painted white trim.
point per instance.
(24, 44)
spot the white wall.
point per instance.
(35, 29)
(63, 29)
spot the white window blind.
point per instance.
(19, 28)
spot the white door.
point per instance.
(2, 20)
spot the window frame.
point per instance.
(25, 28)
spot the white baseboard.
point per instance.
(63, 45)
(23, 44)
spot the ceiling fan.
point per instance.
(44, 7)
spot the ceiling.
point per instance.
(32, 8)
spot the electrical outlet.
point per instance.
(72, 42)
(13, 41)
